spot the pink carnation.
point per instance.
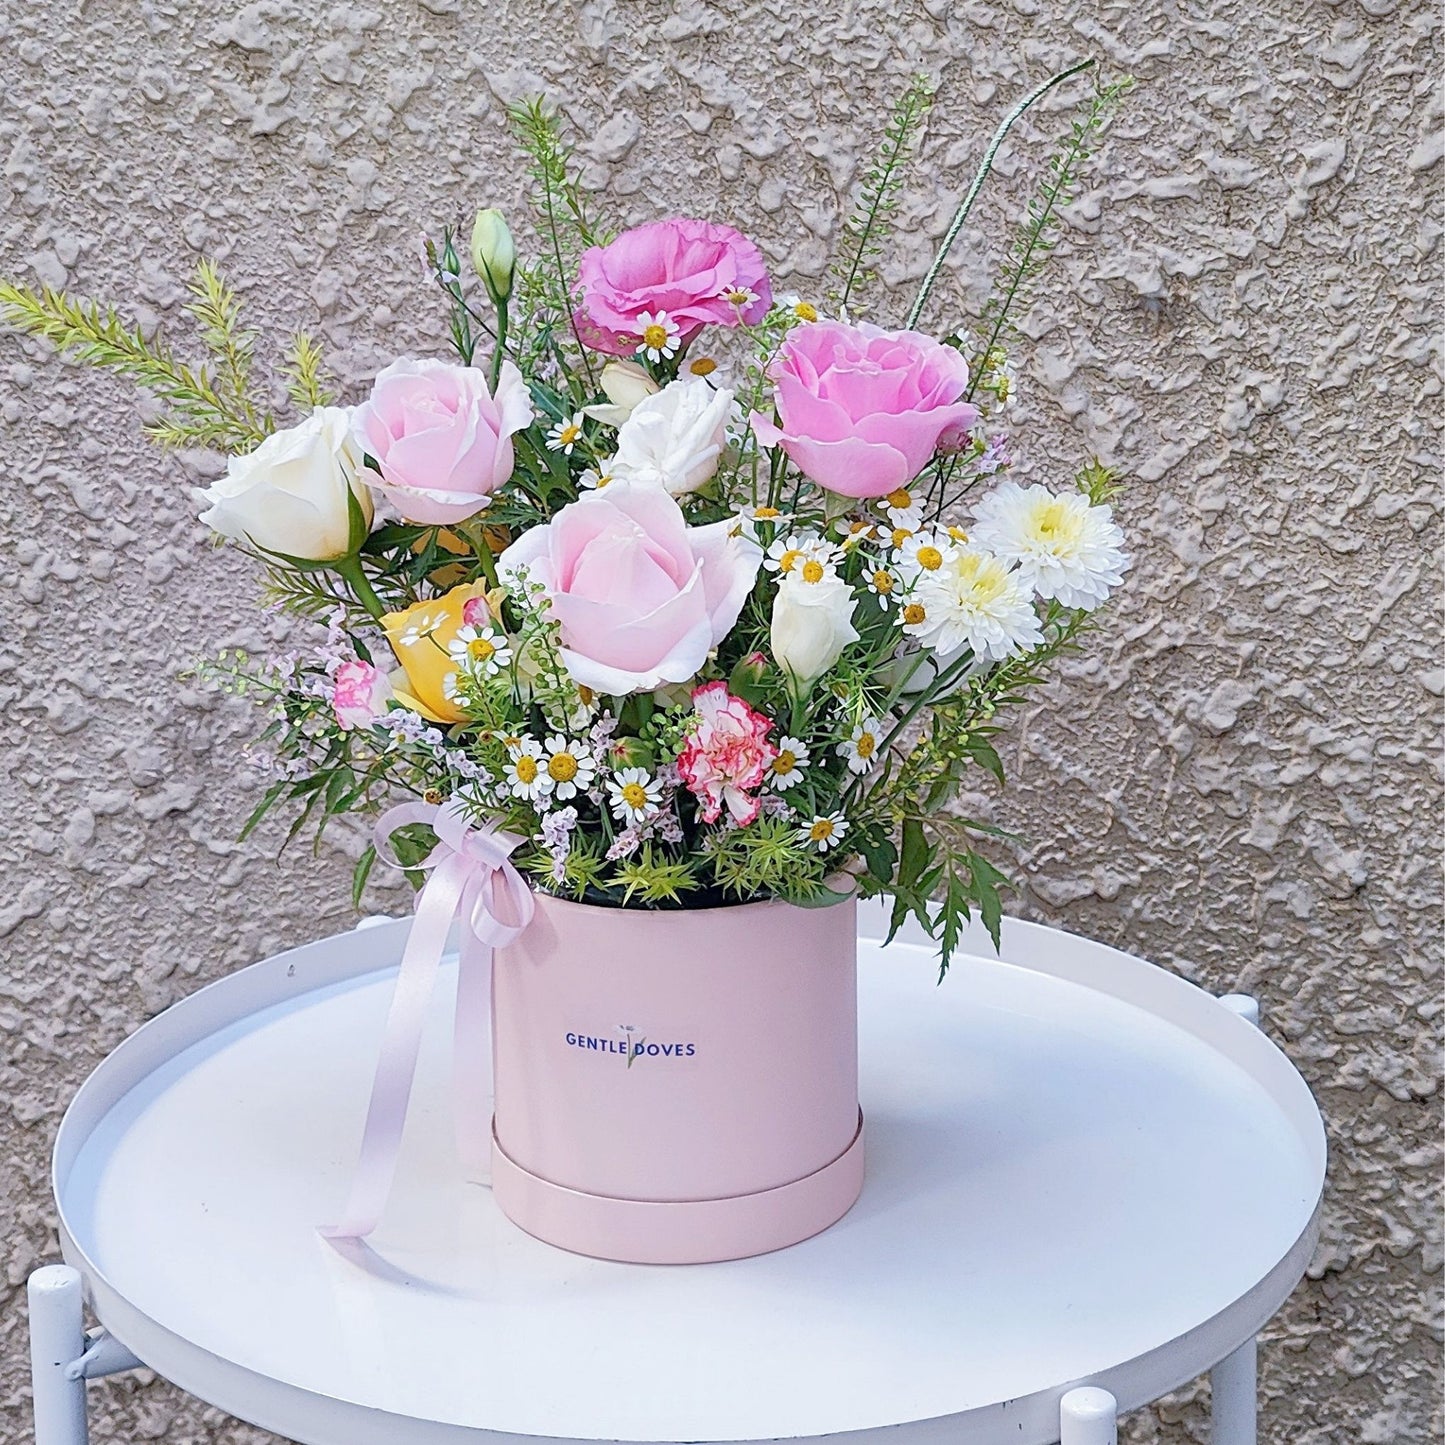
(360, 693)
(727, 755)
(698, 273)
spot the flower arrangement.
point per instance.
(708, 593)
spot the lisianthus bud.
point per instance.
(811, 625)
(746, 676)
(629, 753)
(626, 384)
(494, 254)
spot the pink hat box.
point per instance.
(677, 1087)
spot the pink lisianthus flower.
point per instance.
(726, 756)
(359, 693)
(694, 272)
(861, 410)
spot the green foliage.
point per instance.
(652, 877)
(1098, 482)
(305, 373)
(976, 185)
(765, 860)
(1039, 233)
(202, 409)
(867, 228)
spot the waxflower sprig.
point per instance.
(706, 591)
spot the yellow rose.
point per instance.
(419, 637)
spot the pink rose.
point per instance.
(360, 693)
(640, 596)
(862, 409)
(727, 755)
(694, 272)
(442, 440)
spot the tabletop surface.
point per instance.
(1074, 1160)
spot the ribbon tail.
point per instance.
(472, 1059)
(400, 1045)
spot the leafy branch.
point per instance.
(976, 185)
(1039, 234)
(306, 381)
(202, 411)
(877, 202)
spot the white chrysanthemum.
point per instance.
(634, 795)
(790, 764)
(860, 751)
(570, 767)
(973, 601)
(1062, 547)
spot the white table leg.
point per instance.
(57, 1338)
(1235, 1394)
(1088, 1416)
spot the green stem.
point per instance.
(349, 569)
(499, 351)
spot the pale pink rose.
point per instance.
(727, 755)
(641, 597)
(698, 273)
(442, 440)
(360, 693)
(861, 410)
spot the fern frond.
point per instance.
(877, 204)
(305, 373)
(97, 336)
(1039, 234)
(976, 185)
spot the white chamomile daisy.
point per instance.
(795, 306)
(481, 651)
(807, 556)
(1062, 546)
(862, 748)
(824, 832)
(883, 584)
(903, 509)
(660, 335)
(925, 552)
(566, 434)
(420, 629)
(597, 476)
(973, 601)
(740, 296)
(570, 767)
(634, 796)
(712, 369)
(789, 765)
(526, 773)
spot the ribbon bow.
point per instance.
(469, 868)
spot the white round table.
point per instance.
(1082, 1171)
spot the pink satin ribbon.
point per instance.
(471, 872)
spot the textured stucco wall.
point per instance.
(1238, 781)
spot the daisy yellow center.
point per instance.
(882, 581)
(785, 762)
(766, 514)
(562, 767)
(900, 499)
(930, 559)
(805, 311)
(913, 614)
(739, 298)
(526, 769)
(900, 536)
(655, 336)
(867, 745)
(812, 570)
(480, 650)
(568, 434)
(703, 366)
(822, 829)
(634, 795)
(958, 534)
(789, 559)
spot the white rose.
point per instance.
(625, 384)
(812, 624)
(292, 494)
(674, 439)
